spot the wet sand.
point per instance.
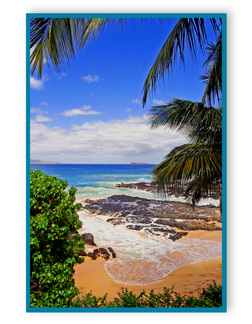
(187, 280)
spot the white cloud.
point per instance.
(60, 75)
(43, 103)
(38, 84)
(137, 101)
(115, 141)
(85, 110)
(90, 78)
(38, 111)
(128, 109)
(159, 102)
(41, 119)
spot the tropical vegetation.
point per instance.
(198, 164)
(54, 241)
(169, 298)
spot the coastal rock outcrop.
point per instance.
(175, 190)
(100, 252)
(156, 217)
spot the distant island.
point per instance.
(44, 162)
(139, 163)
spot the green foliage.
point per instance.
(199, 163)
(53, 252)
(209, 297)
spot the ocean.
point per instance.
(141, 259)
(96, 181)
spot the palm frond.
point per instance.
(202, 188)
(96, 26)
(196, 121)
(188, 31)
(53, 38)
(187, 162)
(213, 77)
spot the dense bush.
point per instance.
(209, 297)
(53, 252)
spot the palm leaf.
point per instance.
(196, 121)
(213, 78)
(53, 38)
(95, 26)
(188, 31)
(189, 162)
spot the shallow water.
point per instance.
(144, 259)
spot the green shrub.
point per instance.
(209, 297)
(53, 252)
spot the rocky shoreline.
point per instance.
(171, 220)
(107, 254)
(175, 190)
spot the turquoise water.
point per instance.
(99, 180)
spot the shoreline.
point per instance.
(91, 275)
(190, 279)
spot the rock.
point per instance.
(82, 253)
(104, 253)
(135, 227)
(89, 201)
(112, 252)
(88, 238)
(156, 216)
(177, 236)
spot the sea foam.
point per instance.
(142, 258)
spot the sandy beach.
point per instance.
(187, 280)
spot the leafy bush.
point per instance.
(53, 251)
(209, 297)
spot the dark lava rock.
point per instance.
(177, 236)
(99, 252)
(89, 201)
(104, 253)
(82, 253)
(164, 230)
(156, 216)
(176, 190)
(135, 227)
(112, 252)
(139, 219)
(88, 238)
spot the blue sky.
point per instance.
(90, 111)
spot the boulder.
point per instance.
(82, 253)
(104, 253)
(88, 238)
(112, 252)
(177, 236)
(89, 201)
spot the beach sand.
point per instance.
(91, 275)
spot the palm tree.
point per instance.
(60, 38)
(198, 164)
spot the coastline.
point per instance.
(91, 276)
